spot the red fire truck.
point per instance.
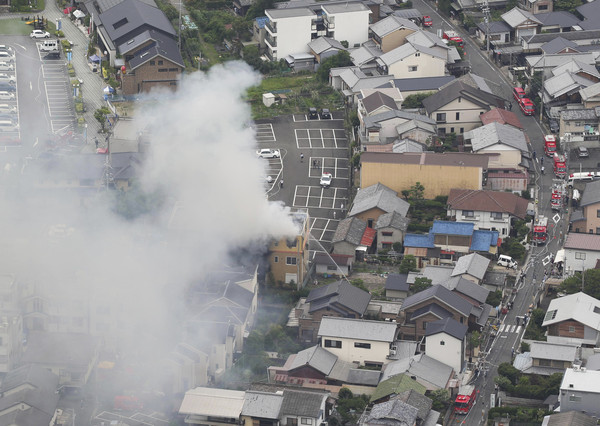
(549, 145)
(560, 165)
(558, 194)
(540, 231)
(453, 36)
(466, 398)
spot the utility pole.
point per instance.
(179, 26)
(542, 88)
(485, 9)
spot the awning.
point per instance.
(361, 248)
(95, 58)
(560, 256)
(78, 14)
(68, 10)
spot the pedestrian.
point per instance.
(281, 183)
(542, 161)
(302, 157)
(534, 155)
(542, 169)
(334, 214)
(314, 164)
(510, 106)
(96, 140)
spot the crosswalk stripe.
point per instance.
(518, 329)
(501, 328)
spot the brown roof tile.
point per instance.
(487, 201)
(458, 159)
(583, 241)
(501, 116)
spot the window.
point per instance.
(160, 62)
(173, 69)
(442, 342)
(412, 68)
(458, 115)
(152, 62)
(459, 99)
(579, 256)
(163, 69)
(276, 259)
(497, 215)
(387, 234)
(545, 362)
(417, 54)
(597, 230)
(462, 130)
(290, 260)
(333, 343)
(598, 213)
(461, 320)
(306, 421)
(574, 398)
(543, 7)
(468, 213)
(387, 246)
(331, 267)
(571, 329)
(440, 117)
(362, 345)
(451, 129)
(424, 325)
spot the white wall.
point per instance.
(377, 353)
(450, 353)
(484, 220)
(352, 27)
(293, 35)
(427, 66)
(573, 261)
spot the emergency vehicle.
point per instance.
(466, 398)
(549, 145)
(560, 165)
(540, 231)
(453, 36)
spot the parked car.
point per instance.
(7, 96)
(7, 87)
(5, 66)
(554, 126)
(507, 261)
(325, 114)
(5, 48)
(8, 78)
(6, 108)
(39, 34)
(582, 152)
(268, 153)
(312, 114)
(326, 179)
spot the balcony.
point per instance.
(473, 218)
(329, 25)
(271, 40)
(272, 28)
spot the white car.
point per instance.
(39, 34)
(5, 66)
(268, 153)
(326, 179)
(8, 78)
(7, 109)
(7, 96)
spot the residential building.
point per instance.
(590, 96)
(456, 108)
(395, 413)
(537, 6)
(324, 47)
(353, 237)
(582, 125)
(413, 86)
(582, 251)
(71, 356)
(375, 200)
(391, 125)
(522, 22)
(288, 257)
(556, 22)
(506, 144)
(330, 264)
(355, 340)
(488, 210)
(347, 21)
(582, 38)
(396, 385)
(412, 61)
(303, 408)
(549, 358)
(446, 341)
(560, 45)
(427, 371)
(352, 80)
(212, 406)
(567, 81)
(188, 366)
(390, 33)
(396, 286)
(391, 228)
(375, 103)
(494, 280)
(402, 171)
(570, 418)
(262, 408)
(497, 31)
(587, 218)
(29, 396)
(501, 116)
(590, 13)
(573, 319)
(579, 391)
(338, 299)
(471, 267)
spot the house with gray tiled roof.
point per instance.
(325, 47)
(372, 202)
(391, 228)
(412, 60)
(391, 32)
(559, 21)
(446, 341)
(353, 237)
(339, 299)
(428, 372)
(522, 22)
(586, 219)
(560, 45)
(573, 319)
(497, 31)
(391, 413)
(396, 286)
(471, 267)
(582, 251)
(383, 127)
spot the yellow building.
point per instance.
(288, 257)
(438, 173)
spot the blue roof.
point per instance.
(483, 240)
(419, 240)
(452, 228)
(261, 21)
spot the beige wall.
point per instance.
(592, 221)
(395, 39)
(402, 176)
(427, 66)
(372, 215)
(468, 116)
(378, 352)
(504, 159)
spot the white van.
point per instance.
(507, 261)
(580, 177)
(49, 46)
(8, 126)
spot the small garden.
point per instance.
(532, 386)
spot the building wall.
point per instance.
(283, 255)
(468, 116)
(378, 352)
(352, 27)
(372, 135)
(577, 400)
(437, 180)
(307, 421)
(416, 330)
(426, 66)
(395, 39)
(484, 220)
(574, 261)
(370, 216)
(503, 157)
(292, 36)
(446, 349)
(396, 294)
(576, 127)
(397, 236)
(157, 73)
(591, 224)
(418, 135)
(309, 324)
(344, 247)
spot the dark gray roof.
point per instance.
(571, 418)
(447, 325)
(316, 357)
(495, 27)
(31, 374)
(561, 18)
(494, 278)
(132, 17)
(298, 403)
(558, 44)
(374, 120)
(473, 264)
(397, 282)
(459, 89)
(571, 35)
(591, 194)
(431, 308)
(417, 400)
(263, 405)
(163, 46)
(378, 99)
(378, 196)
(392, 220)
(393, 412)
(442, 294)
(363, 377)
(472, 290)
(342, 293)
(590, 10)
(421, 83)
(350, 230)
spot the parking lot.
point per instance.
(309, 149)
(9, 108)
(152, 419)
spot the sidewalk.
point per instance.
(92, 88)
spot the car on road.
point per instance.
(427, 21)
(39, 34)
(527, 106)
(507, 261)
(554, 126)
(268, 153)
(325, 114)
(582, 152)
(8, 78)
(5, 66)
(326, 179)
(7, 96)
(7, 109)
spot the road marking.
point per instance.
(518, 329)
(501, 329)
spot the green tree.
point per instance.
(416, 192)
(408, 264)
(416, 100)
(513, 248)
(474, 341)
(525, 347)
(420, 284)
(494, 298)
(568, 5)
(503, 383)
(441, 399)
(341, 59)
(100, 114)
(590, 284)
(511, 373)
(349, 406)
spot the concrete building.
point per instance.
(390, 33)
(446, 341)
(412, 61)
(582, 251)
(288, 257)
(579, 391)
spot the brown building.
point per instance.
(587, 219)
(438, 173)
(376, 200)
(338, 299)
(391, 32)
